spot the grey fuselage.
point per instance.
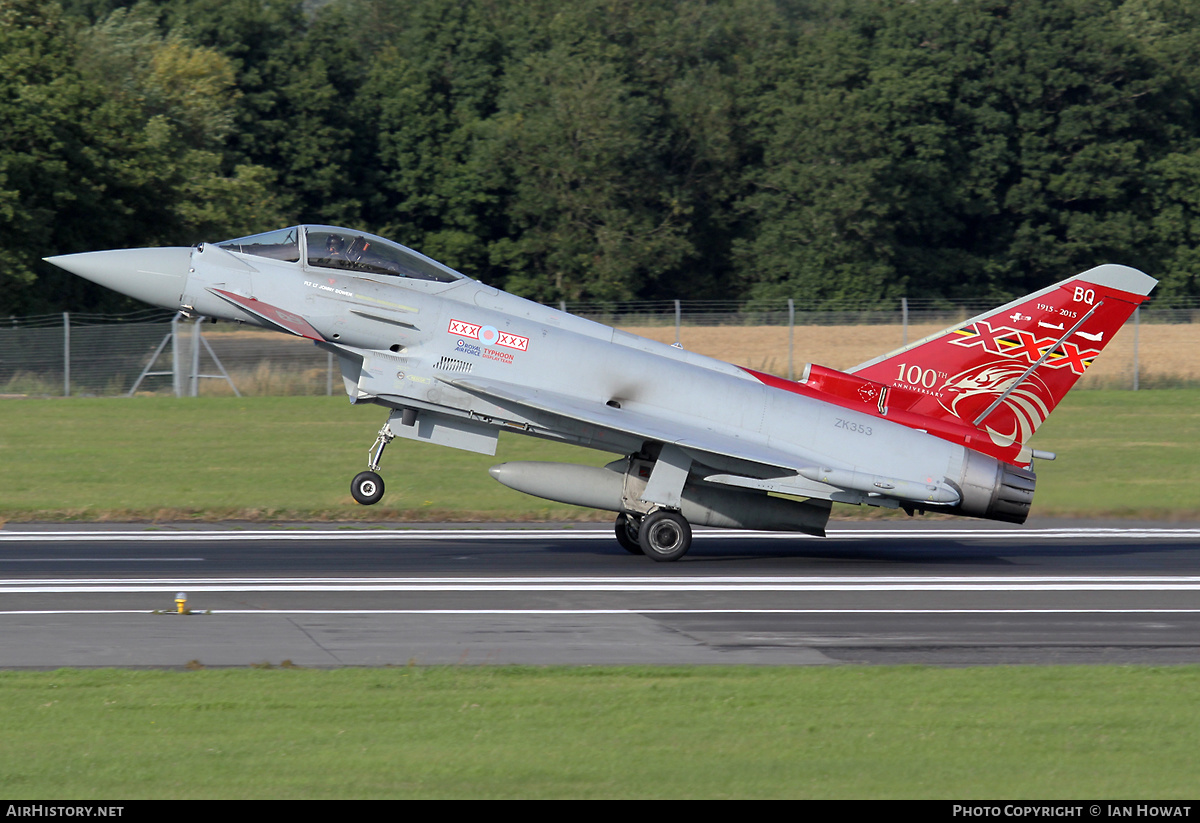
(412, 343)
(458, 361)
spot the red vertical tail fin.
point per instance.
(1004, 371)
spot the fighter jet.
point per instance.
(941, 425)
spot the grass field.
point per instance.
(457, 732)
(499, 732)
(262, 458)
(1122, 454)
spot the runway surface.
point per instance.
(913, 592)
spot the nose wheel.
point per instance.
(367, 487)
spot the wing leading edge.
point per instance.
(637, 424)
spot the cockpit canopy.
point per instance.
(330, 247)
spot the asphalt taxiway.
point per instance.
(945, 593)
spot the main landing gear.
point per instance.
(627, 528)
(367, 487)
(663, 535)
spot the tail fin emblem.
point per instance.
(974, 389)
(1019, 345)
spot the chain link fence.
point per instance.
(915, 311)
(155, 352)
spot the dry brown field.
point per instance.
(1168, 354)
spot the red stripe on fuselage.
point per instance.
(945, 428)
(280, 317)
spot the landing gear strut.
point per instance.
(627, 527)
(367, 487)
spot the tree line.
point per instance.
(825, 150)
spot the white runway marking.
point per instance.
(602, 584)
(1015, 535)
(101, 559)
(645, 584)
(584, 612)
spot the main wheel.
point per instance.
(627, 533)
(665, 536)
(367, 488)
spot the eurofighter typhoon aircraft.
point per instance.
(940, 425)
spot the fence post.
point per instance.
(904, 318)
(194, 384)
(176, 367)
(66, 354)
(1137, 318)
(677, 319)
(791, 336)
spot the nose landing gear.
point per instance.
(367, 487)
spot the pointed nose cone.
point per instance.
(157, 276)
